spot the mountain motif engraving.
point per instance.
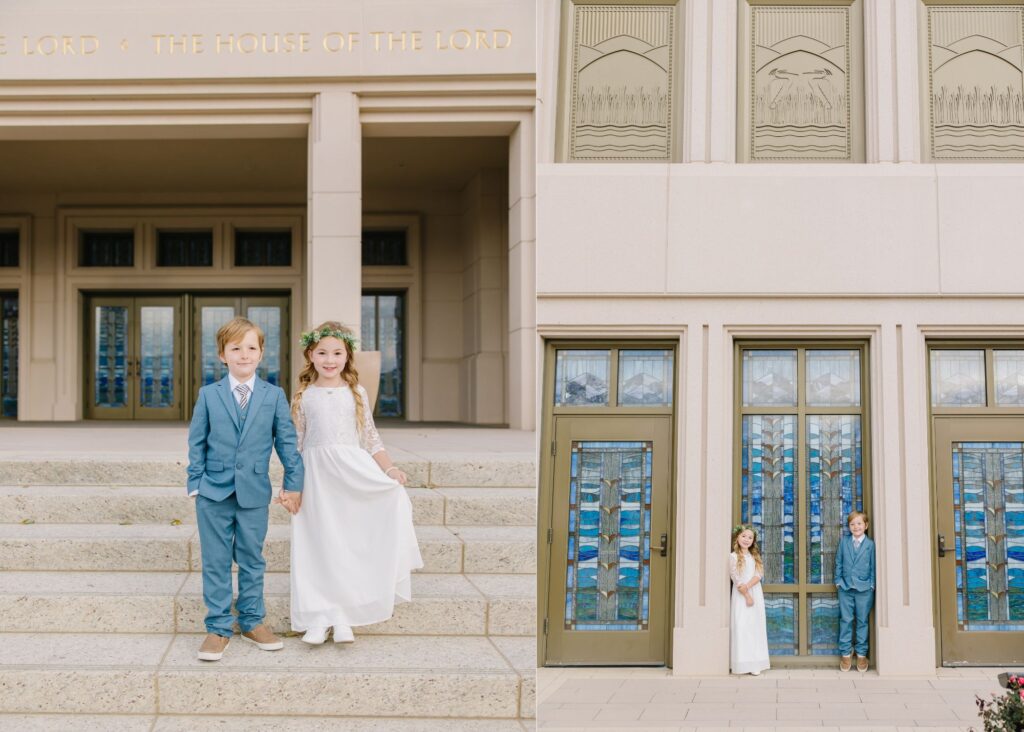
(800, 79)
(976, 83)
(621, 83)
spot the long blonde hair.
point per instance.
(754, 550)
(348, 374)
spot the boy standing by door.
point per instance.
(235, 423)
(855, 578)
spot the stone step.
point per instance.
(172, 602)
(192, 723)
(159, 547)
(389, 676)
(455, 471)
(163, 504)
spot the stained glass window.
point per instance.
(384, 248)
(988, 516)
(268, 318)
(609, 551)
(769, 378)
(212, 317)
(833, 378)
(110, 364)
(8, 355)
(769, 491)
(156, 368)
(824, 636)
(263, 248)
(834, 486)
(581, 378)
(383, 329)
(1009, 377)
(958, 378)
(782, 615)
(645, 378)
(184, 248)
(107, 249)
(9, 245)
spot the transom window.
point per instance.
(977, 377)
(627, 377)
(255, 248)
(385, 248)
(184, 248)
(9, 241)
(106, 249)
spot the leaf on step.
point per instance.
(28, 521)
(175, 522)
(125, 523)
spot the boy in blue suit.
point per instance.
(855, 578)
(235, 423)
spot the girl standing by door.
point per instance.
(748, 628)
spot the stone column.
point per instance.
(334, 214)
(522, 281)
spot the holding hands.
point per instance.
(291, 500)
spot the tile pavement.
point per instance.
(820, 700)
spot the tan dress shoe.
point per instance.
(263, 638)
(213, 647)
(862, 663)
(845, 663)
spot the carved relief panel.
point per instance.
(801, 82)
(619, 82)
(975, 82)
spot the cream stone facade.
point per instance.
(297, 131)
(708, 247)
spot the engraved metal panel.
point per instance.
(609, 550)
(800, 83)
(976, 84)
(621, 103)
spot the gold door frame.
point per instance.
(800, 588)
(936, 415)
(545, 520)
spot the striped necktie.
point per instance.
(243, 395)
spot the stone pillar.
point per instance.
(522, 281)
(334, 214)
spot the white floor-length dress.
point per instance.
(353, 541)
(748, 627)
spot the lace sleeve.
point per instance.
(300, 428)
(369, 437)
(733, 571)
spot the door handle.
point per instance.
(663, 549)
(940, 542)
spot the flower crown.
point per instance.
(744, 527)
(314, 336)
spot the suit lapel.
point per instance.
(224, 387)
(259, 393)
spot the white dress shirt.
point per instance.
(857, 541)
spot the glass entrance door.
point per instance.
(801, 470)
(383, 329)
(135, 358)
(8, 355)
(979, 469)
(608, 506)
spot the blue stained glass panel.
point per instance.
(582, 377)
(769, 378)
(8, 355)
(824, 633)
(268, 318)
(156, 367)
(383, 329)
(110, 362)
(781, 616)
(609, 548)
(835, 487)
(988, 512)
(211, 318)
(645, 378)
(768, 490)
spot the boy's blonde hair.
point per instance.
(234, 331)
(855, 514)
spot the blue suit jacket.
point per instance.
(225, 458)
(855, 568)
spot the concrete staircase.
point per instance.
(101, 610)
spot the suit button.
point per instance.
(238, 465)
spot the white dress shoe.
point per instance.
(343, 634)
(315, 636)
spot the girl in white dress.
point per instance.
(353, 542)
(748, 629)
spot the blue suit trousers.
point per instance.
(854, 604)
(228, 532)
